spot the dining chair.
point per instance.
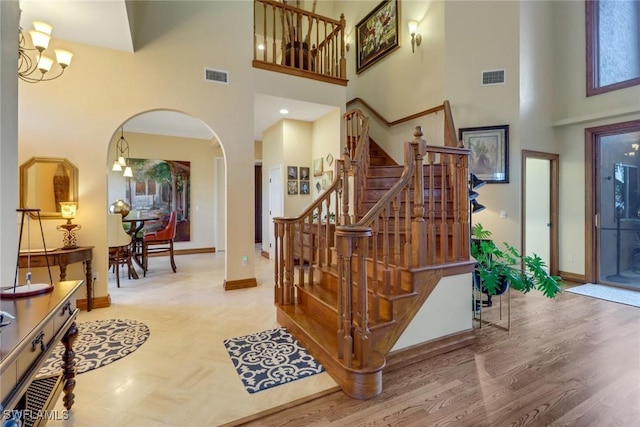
(119, 242)
(160, 241)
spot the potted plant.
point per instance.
(498, 269)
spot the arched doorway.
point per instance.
(175, 163)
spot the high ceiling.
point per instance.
(105, 23)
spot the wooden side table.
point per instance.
(62, 258)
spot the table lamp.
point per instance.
(68, 211)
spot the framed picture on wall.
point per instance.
(489, 157)
(292, 187)
(304, 174)
(304, 187)
(377, 34)
(317, 167)
(292, 172)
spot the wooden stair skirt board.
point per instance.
(356, 383)
(231, 285)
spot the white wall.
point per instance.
(9, 11)
(448, 310)
(296, 150)
(469, 52)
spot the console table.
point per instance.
(40, 322)
(62, 258)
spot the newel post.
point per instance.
(418, 225)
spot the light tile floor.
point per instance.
(182, 375)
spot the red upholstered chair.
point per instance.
(160, 241)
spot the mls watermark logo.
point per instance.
(15, 418)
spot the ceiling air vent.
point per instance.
(493, 77)
(217, 76)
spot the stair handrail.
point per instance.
(450, 134)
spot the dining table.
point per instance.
(137, 223)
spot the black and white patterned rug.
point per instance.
(270, 358)
(99, 343)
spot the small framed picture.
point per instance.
(489, 147)
(317, 167)
(292, 172)
(292, 187)
(304, 174)
(304, 187)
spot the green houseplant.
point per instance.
(497, 269)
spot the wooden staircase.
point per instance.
(360, 282)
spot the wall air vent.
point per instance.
(217, 76)
(493, 77)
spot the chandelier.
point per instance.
(122, 154)
(33, 64)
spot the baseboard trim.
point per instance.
(98, 302)
(232, 285)
(264, 254)
(279, 408)
(573, 277)
(415, 353)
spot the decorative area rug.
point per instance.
(99, 343)
(609, 293)
(270, 358)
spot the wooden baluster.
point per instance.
(289, 264)
(346, 166)
(386, 255)
(264, 32)
(345, 253)
(408, 246)
(343, 58)
(362, 332)
(278, 263)
(318, 226)
(340, 242)
(431, 227)
(255, 33)
(375, 302)
(397, 253)
(273, 37)
(309, 45)
(455, 227)
(444, 231)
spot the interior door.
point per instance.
(275, 205)
(540, 207)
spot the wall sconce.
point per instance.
(122, 154)
(68, 211)
(27, 65)
(416, 39)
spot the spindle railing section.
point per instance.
(403, 231)
(291, 40)
(420, 224)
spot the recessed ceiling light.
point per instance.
(284, 111)
(260, 46)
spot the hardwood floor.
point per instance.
(573, 361)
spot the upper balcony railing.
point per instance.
(290, 40)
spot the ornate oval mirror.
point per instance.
(47, 181)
